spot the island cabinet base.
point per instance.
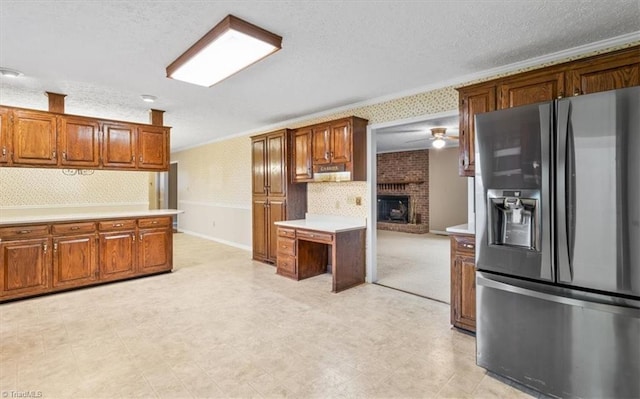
(304, 253)
(37, 259)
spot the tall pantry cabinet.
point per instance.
(274, 197)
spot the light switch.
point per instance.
(358, 200)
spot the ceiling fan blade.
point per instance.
(452, 137)
(422, 139)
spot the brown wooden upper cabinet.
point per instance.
(5, 142)
(35, 137)
(268, 153)
(615, 70)
(338, 145)
(153, 147)
(302, 165)
(119, 145)
(30, 138)
(79, 142)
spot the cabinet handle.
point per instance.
(55, 247)
(133, 237)
(561, 94)
(4, 151)
(45, 247)
(53, 155)
(75, 228)
(331, 154)
(470, 246)
(154, 222)
(117, 225)
(133, 158)
(140, 158)
(140, 236)
(326, 155)
(24, 232)
(64, 155)
(577, 92)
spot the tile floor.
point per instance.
(223, 326)
(416, 263)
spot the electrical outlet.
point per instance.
(358, 200)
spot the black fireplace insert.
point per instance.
(393, 208)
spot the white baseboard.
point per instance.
(225, 242)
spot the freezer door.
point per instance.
(513, 207)
(564, 345)
(598, 191)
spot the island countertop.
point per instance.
(67, 217)
(326, 223)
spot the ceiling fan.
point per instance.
(438, 137)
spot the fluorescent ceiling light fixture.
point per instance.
(10, 73)
(228, 48)
(148, 98)
(438, 143)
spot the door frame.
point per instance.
(371, 238)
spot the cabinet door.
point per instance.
(260, 230)
(117, 255)
(321, 145)
(276, 168)
(5, 148)
(74, 261)
(24, 267)
(155, 250)
(79, 142)
(608, 72)
(340, 151)
(302, 170)
(118, 145)
(276, 213)
(472, 101)
(531, 88)
(152, 147)
(463, 282)
(34, 138)
(258, 164)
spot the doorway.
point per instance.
(409, 248)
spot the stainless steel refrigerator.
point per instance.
(558, 244)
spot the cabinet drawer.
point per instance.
(315, 236)
(286, 264)
(72, 228)
(286, 246)
(117, 224)
(24, 231)
(155, 222)
(465, 243)
(286, 232)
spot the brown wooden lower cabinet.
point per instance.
(463, 282)
(44, 258)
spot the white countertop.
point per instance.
(326, 223)
(86, 216)
(462, 229)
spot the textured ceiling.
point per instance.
(105, 54)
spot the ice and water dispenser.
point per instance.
(513, 218)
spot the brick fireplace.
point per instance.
(403, 175)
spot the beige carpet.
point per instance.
(415, 263)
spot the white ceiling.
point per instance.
(105, 54)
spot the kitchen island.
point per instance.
(47, 253)
(312, 246)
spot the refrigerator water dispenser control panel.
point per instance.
(514, 218)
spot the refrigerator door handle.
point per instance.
(564, 267)
(593, 305)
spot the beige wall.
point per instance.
(447, 191)
(28, 191)
(214, 190)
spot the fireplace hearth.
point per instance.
(393, 208)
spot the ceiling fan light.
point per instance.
(228, 48)
(438, 143)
